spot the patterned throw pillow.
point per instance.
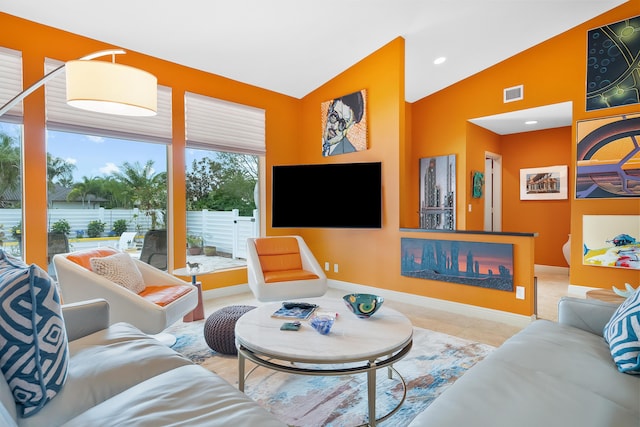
(622, 333)
(34, 354)
(120, 269)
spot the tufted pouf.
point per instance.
(219, 329)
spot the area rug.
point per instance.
(433, 364)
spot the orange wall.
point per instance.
(37, 42)
(364, 256)
(551, 219)
(551, 72)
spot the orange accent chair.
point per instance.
(164, 301)
(283, 268)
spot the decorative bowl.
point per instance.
(363, 305)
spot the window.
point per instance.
(224, 142)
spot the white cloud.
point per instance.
(109, 168)
(71, 160)
(93, 138)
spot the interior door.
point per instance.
(493, 192)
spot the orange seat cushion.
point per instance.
(164, 295)
(83, 258)
(278, 254)
(288, 275)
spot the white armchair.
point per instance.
(281, 268)
(173, 297)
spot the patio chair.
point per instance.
(154, 249)
(281, 268)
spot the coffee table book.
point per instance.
(293, 313)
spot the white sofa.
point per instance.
(549, 374)
(119, 376)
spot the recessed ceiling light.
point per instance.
(440, 60)
(531, 122)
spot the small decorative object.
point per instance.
(630, 290)
(322, 324)
(210, 250)
(478, 182)
(363, 305)
(194, 244)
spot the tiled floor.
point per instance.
(552, 284)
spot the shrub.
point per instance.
(119, 226)
(95, 228)
(61, 226)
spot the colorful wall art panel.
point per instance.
(438, 193)
(344, 124)
(487, 265)
(611, 240)
(608, 157)
(612, 65)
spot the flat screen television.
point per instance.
(338, 195)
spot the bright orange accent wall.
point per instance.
(550, 219)
(551, 72)
(38, 41)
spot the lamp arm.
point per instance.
(19, 97)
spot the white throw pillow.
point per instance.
(121, 269)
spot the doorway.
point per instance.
(493, 192)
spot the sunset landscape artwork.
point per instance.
(487, 265)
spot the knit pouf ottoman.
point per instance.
(219, 329)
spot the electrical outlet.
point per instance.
(469, 207)
(335, 268)
(326, 266)
(519, 292)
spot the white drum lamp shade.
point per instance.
(107, 87)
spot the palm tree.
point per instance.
(145, 188)
(82, 190)
(9, 165)
(59, 171)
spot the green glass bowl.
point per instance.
(363, 305)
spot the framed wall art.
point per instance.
(544, 183)
(611, 241)
(612, 65)
(438, 192)
(344, 124)
(487, 265)
(607, 157)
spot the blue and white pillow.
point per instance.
(622, 333)
(33, 342)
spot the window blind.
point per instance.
(62, 117)
(224, 126)
(10, 83)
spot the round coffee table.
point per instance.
(357, 345)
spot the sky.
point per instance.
(98, 156)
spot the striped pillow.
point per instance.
(33, 342)
(622, 333)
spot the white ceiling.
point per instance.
(294, 46)
(545, 117)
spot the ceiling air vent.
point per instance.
(514, 93)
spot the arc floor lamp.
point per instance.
(104, 87)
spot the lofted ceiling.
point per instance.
(294, 46)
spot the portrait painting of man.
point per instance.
(344, 123)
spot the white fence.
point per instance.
(227, 231)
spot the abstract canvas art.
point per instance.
(613, 70)
(608, 157)
(344, 124)
(438, 193)
(487, 265)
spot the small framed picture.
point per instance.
(544, 183)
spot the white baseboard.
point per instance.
(225, 292)
(437, 304)
(432, 303)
